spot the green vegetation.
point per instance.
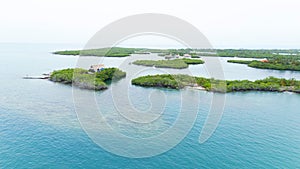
(278, 59)
(240, 61)
(110, 74)
(181, 81)
(243, 53)
(108, 52)
(176, 63)
(275, 63)
(192, 61)
(248, 53)
(165, 81)
(84, 79)
(122, 52)
(267, 84)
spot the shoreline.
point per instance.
(177, 82)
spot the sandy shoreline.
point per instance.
(196, 87)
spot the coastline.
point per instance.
(177, 82)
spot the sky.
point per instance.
(226, 24)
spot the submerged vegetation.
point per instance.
(276, 63)
(180, 81)
(176, 63)
(84, 79)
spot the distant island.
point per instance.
(86, 79)
(181, 81)
(276, 59)
(107, 52)
(242, 53)
(275, 63)
(175, 63)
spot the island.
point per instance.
(242, 53)
(249, 53)
(180, 81)
(86, 79)
(107, 52)
(275, 59)
(175, 63)
(276, 63)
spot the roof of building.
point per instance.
(95, 67)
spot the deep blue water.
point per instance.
(39, 126)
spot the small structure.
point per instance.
(96, 68)
(265, 60)
(187, 55)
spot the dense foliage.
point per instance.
(83, 79)
(176, 63)
(192, 61)
(181, 81)
(166, 81)
(108, 52)
(109, 74)
(279, 59)
(248, 53)
(276, 63)
(240, 61)
(243, 53)
(268, 84)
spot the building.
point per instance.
(265, 60)
(96, 68)
(187, 55)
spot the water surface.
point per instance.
(39, 126)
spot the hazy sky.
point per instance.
(226, 23)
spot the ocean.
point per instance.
(39, 127)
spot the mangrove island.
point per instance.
(180, 81)
(276, 59)
(175, 63)
(107, 52)
(85, 79)
(275, 63)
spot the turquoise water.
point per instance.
(39, 126)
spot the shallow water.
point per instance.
(39, 127)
